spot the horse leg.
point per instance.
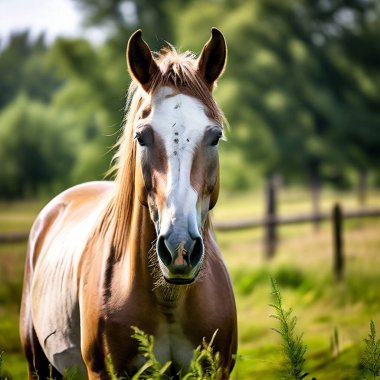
(39, 366)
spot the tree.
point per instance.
(292, 88)
(35, 149)
(23, 68)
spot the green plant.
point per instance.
(205, 364)
(2, 376)
(371, 355)
(51, 373)
(152, 369)
(293, 348)
(1, 360)
(334, 343)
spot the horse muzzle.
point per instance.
(180, 257)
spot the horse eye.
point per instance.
(217, 136)
(139, 139)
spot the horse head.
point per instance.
(177, 130)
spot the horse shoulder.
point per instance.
(56, 245)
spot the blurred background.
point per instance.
(301, 93)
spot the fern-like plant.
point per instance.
(371, 356)
(152, 369)
(293, 348)
(205, 364)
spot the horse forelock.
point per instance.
(178, 71)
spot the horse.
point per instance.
(138, 250)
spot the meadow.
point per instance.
(333, 317)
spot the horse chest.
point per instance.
(171, 344)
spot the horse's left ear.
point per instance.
(212, 60)
(140, 61)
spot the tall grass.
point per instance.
(370, 360)
(292, 346)
(3, 376)
(205, 364)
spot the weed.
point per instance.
(152, 369)
(205, 364)
(293, 348)
(3, 376)
(370, 360)
(334, 343)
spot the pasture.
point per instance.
(302, 268)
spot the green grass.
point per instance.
(302, 268)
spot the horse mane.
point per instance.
(178, 71)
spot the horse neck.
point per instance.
(141, 241)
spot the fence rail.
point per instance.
(242, 224)
(270, 223)
(291, 219)
(13, 237)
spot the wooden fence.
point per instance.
(270, 223)
(13, 237)
(278, 220)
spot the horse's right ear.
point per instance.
(141, 64)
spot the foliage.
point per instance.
(2, 376)
(205, 364)
(34, 148)
(121, 18)
(289, 86)
(23, 68)
(370, 360)
(302, 76)
(293, 348)
(152, 369)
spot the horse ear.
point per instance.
(212, 60)
(141, 64)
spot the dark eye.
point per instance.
(139, 139)
(216, 137)
(144, 135)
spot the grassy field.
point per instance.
(302, 267)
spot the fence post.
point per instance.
(270, 240)
(337, 220)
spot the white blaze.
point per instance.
(180, 120)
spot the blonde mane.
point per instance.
(178, 71)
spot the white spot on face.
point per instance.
(180, 120)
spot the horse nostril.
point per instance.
(183, 254)
(197, 252)
(163, 251)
